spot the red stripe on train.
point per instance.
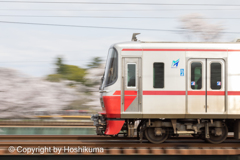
(131, 49)
(233, 93)
(210, 93)
(196, 93)
(126, 93)
(216, 93)
(117, 93)
(195, 50)
(164, 92)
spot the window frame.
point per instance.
(191, 74)
(106, 85)
(211, 75)
(135, 76)
(163, 75)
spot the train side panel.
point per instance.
(233, 84)
(167, 100)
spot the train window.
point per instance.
(196, 75)
(131, 75)
(111, 67)
(158, 75)
(216, 75)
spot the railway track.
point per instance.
(85, 137)
(46, 123)
(121, 145)
(46, 127)
(57, 137)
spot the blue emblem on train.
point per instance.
(181, 72)
(175, 63)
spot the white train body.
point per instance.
(173, 82)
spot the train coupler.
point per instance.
(100, 123)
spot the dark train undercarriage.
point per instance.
(158, 130)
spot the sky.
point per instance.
(32, 49)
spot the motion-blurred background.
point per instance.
(52, 52)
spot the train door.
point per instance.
(196, 95)
(131, 86)
(215, 86)
(206, 86)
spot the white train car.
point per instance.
(172, 89)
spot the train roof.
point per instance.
(178, 45)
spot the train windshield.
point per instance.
(110, 75)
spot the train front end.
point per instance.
(108, 121)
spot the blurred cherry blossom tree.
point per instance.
(195, 27)
(22, 96)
